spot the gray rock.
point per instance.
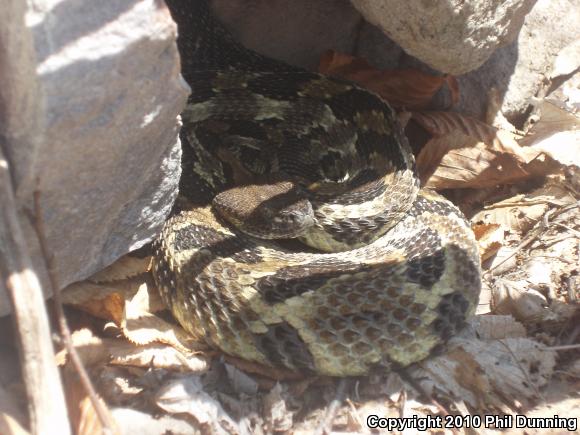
(450, 36)
(522, 70)
(297, 31)
(90, 94)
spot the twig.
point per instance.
(535, 232)
(403, 373)
(522, 369)
(566, 227)
(105, 418)
(563, 347)
(46, 404)
(355, 414)
(325, 426)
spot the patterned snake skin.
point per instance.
(378, 271)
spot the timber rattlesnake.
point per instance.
(324, 161)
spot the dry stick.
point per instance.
(46, 404)
(535, 232)
(325, 426)
(563, 347)
(405, 376)
(107, 422)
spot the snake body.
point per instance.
(384, 272)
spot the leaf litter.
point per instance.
(521, 192)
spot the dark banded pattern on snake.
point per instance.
(401, 274)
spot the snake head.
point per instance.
(270, 210)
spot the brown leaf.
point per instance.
(494, 370)
(442, 123)
(408, 88)
(106, 299)
(124, 268)
(278, 416)
(494, 327)
(489, 239)
(11, 416)
(141, 327)
(83, 416)
(431, 155)
(241, 382)
(517, 299)
(131, 304)
(156, 355)
(104, 302)
(557, 134)
(476, 167)
(465, 152)
(519, 213)
(279, 374)
(186, 395)
(91, 349)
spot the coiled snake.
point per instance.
(384, 273)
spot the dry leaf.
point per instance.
(11, 417)
(485, 299)
(521, 212)
(186, 395)
(465, 152)
(91, 349)
(567, 61)
(516, 298)
(241, 382)
(477, 167)
(156, 355)
(276, 373)
(430, 156)
(141, 327)
(504, 261)
(484, 373)
(101, 301)
(516, 214)
(494, 327)
(130, 303)
(132, 421)
(490, 238)
(557, 134)
(84, 418)
(409, 88)
(124, 268)
(441, 123)
(277, 415)
(104, 294)
(119, 386)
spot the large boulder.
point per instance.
(296, 31)
(449, 35)
(523, 71)
(90, 94)
(464, 36)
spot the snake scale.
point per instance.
(378, 271)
